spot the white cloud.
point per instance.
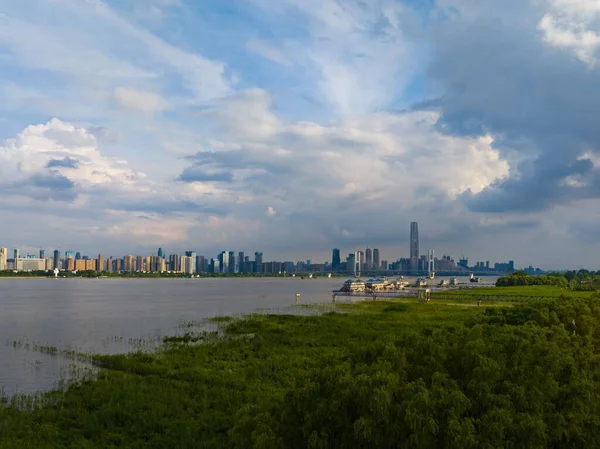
(268, 51)
(359, 52)
(570, 24)
(139, 100)
(61, 148)
(271, 212)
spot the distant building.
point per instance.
(161, 253)
(258, 262)
(30, 264)
(3, 259)
(16, 254)
(56, 260)
(240, 262)
(139, 264)
(376, 264)
(224, 262)
(351, 263)
(192, 256)
(231, 262)
(414, 247)
(335, 260)
(368, 259)
(43, 254)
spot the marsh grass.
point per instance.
(371, 374)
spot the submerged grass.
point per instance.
(371, 374)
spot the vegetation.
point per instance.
(581, 280)
(371, 375)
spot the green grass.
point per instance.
(523, 291)
(372, 374)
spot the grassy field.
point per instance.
(499, 293)
(380, 374)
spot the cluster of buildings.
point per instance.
(229, 262)
(369, 262)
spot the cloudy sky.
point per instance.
(294, 126)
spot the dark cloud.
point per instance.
(500, 77)
(199, 173)
(43, 187)
(66, 163)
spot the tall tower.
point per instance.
(376, 264)
(335, 259)
(414, 247)
(3, 259)
(431, 264)
(258, 262)
(368, 259)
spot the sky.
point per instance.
(297, 126)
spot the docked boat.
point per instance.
(353, 285)
(378, 284)
(453, 282)
(444, 283)
(421, 282)
(474, 279)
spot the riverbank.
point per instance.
(371, 374)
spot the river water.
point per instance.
(119, 315)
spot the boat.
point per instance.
(401, 283)
(453, 282)
(378, 284)
(472, 278)
(421, 282)
(353, 285)
(444, 283)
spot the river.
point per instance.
(118, 315)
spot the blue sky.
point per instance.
(296, 126)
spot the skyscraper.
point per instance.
(240, 262)
(414, 247)
(359, 260)
(56, 259)
(368, 259)
(3, 259)
(335, 260)
(161, 253)
(16, 255)
(224, 262)
(258, 262)
(376, 265)
(231, 262)
(192, 262)
(42, 253)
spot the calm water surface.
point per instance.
(114, 315)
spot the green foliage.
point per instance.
(379, 375)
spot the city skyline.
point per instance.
(355, 263)
(299, 126)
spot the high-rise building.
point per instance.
(56, 259)
(3, 259)
(70, 264)
(200, 262)
(231, 262)
(161, 253)
(368, 259)
(100, 263)
(376, 264)
(359, 262)
(414, 247)
(139, 264)
(258, 262)
(77, 255)
(118, 265)
(16, 254)
(224, 262)
(240, 262)
(49, 264)
(175, 263)
(351, 263)
(192, 262)
(43, 254)
(335, 260)
(128, 264)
